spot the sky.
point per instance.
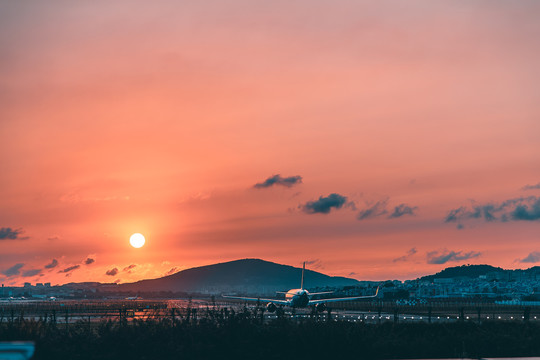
(374, 140)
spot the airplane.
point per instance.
(301, 298)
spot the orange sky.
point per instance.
(160, 118)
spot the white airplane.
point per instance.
(301, 298)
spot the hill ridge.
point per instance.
(474, 271)
(249, 275)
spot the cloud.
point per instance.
(172, 271)
(527, 209)
(30, 273)
(314, 264)
(531, 187)
(484, 211)
(112, 272)
(444, 256)
(89, 261)
(402, 209)
(7, 233)
(524, 212)
(53, 264)
(531, 258)
(410, 253)
(14, 270)
(378, 209)
(455, 214)
(70, 269)
(127, 268)
(278, 180)
(324, 204)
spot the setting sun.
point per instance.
(137, 240)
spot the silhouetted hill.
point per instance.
(470, 271)
(249, 276)
(474, 271)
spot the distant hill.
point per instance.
(470, 271)
(474, 271)
(247, 276)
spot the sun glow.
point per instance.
(137, 240)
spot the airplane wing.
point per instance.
(315, 302)
(320, 293)
(278, 302)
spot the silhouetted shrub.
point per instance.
(242, 335)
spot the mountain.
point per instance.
(247, 276)
(474, 271)
(470, 271)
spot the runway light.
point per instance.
(488, 317)
(499, 317)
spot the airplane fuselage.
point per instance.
(298, 298)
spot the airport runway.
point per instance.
(375, 318)
(96, 310)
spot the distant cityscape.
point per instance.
(482, 282)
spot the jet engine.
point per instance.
(271, 307)
(321, 307)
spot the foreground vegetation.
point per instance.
(244, 336)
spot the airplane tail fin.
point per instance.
(303, 269)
